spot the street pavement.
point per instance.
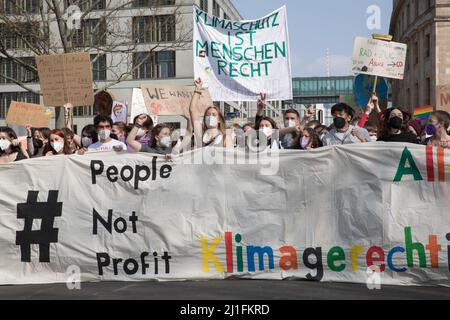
(221, 290)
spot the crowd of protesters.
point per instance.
(298, 133)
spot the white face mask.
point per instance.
(104, 134)
(211, 122)
(165, 142)
(86, 141)
(140, 133)
(373, 138)
(266, 130)
(289, 124)
(57, 146)
(4, 144)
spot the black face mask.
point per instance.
(339, 123)
(396, 122)
(37, 143)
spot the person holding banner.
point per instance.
(144, 123)
(120, 130)
(213, 129)
(396, 128)
(440, 120)
(343, 132)
(161, 142)
(103, 126)
(58, 145)
(37, 141)
(10, 149)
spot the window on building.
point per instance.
(154, 28)
(85, 111)
(7, 97)
(151, 3)
(416, 52)
(216, 9)
(428, 45)
(417, 9)
(19, 35)
(19, 7)
(92, 33)
(154, 65)
(18, 71)
(428, 93)
(87, 5)
(204, 5)
(98, 67)
(416, 95)
(408, 15)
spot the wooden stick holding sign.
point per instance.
(382, 37)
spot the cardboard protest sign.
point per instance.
(22, 114)
(173, 100)
(443, 98)
(66, 78)
(379, 58)
(239, 59)
(137, 104)
(119, 111)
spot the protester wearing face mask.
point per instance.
(58, 144)
(70, 139)
(212, 131)
(373, 132)
(103, 126)
(144, 123)
(343, 132)
(10, 149)
(438, 124)
(120, 130)
(322, 131)
(161, 142)
(309, 140)
(290, 134)
(37, 139)
(266, 128)
(395, 127)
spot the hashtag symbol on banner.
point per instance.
(46, 211)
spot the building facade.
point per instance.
(424, 25)
(171, 66)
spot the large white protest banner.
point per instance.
(324, 215)
(379, 58)
(237, 60)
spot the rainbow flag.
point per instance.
(423, 113)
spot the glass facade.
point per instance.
(321, 89)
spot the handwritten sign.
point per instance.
(173, 100)
(22, 114)
(66, 78)
(379, 58)
(443, 98)
(239, 59)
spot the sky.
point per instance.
(315, 25)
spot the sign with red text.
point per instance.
(227, 214)
(443, 98)
(379, 58)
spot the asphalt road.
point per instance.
(221, 290)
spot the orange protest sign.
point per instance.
(22, 114)
(173, 100)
